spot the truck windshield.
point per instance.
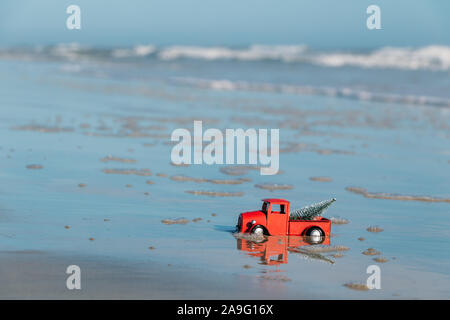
(264, 207)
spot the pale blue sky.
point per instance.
(318, 23)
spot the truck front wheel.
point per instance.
(258, 230)
(315, 235)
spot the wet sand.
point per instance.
(39, 275)
(80, 149)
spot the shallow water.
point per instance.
(69, 116)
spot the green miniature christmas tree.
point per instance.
(311, 211)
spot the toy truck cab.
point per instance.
(273, 219)
(273, 216)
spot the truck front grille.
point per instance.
(239, 225)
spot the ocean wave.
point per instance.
(252, 53)
(362, 95)
(137, 51)
(433, 58)
(427, 58)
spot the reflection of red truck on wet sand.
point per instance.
(274, 250)
(273, 219)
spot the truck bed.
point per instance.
(299, 227)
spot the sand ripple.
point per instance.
(391, 196)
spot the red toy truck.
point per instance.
(273, 219)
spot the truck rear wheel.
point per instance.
(315, 235)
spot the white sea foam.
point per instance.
(137, 51)
(362, 95)
(252, 53)
(69, 51)
(426, 58)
